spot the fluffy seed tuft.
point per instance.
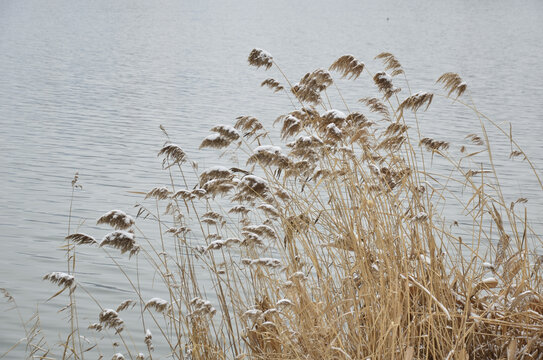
(272, 84)
(117, 219)
(121, 240)
(160, 305)
(109, 318)
(348, 65)
(60, 279)
(173, 154)
(259, 57)
(391, 63)
(81, 239)
(453, 83)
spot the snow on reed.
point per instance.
(117, 219)
(160, 305)
(60, 279)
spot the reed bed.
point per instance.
(329, 243)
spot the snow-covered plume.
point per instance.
(60, 279)
(117, 219)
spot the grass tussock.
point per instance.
(331, 245)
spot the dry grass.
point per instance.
(331, 246)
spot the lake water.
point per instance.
(84, 86)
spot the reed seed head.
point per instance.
(453, 83)
(259, 57)
(311, 85)
(173, 154)
(267, 262)
(215, 141)
(117, 219)
(376, 106)
(434, 145)
(7, 295)
(475, 139)
(125, 304)
(272, 84)
(149, 340)
(348, 65)
(249, 124)
(159, 193)
(96, 326)
(415, 102)
(60, 279)
(160, 305)
(227, 131)
(269, 210)
(81, 239)
(261, 230)
(391, 63)
(201, 307)
(121, 240)
(109, 318)
(384, 83)
(214, 173)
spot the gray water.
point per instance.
(84, 86)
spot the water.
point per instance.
(84, 86)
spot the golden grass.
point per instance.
(331, 247)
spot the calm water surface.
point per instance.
(84, 86)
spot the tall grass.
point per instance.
(332, 245)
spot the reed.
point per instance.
(331, 246)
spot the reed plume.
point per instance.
(81, 239)
(311, 85)
(391, 63)
(109, 318)
(259, 57)
(384, 83)
(117, 219)
(160, 305)
(415, 102)
(159, 193)
(173, 154)
(453, 83)
(125, 305)
(348, 65)
(272, 84)
(60, 279)
(215, 141)
(121, 240)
